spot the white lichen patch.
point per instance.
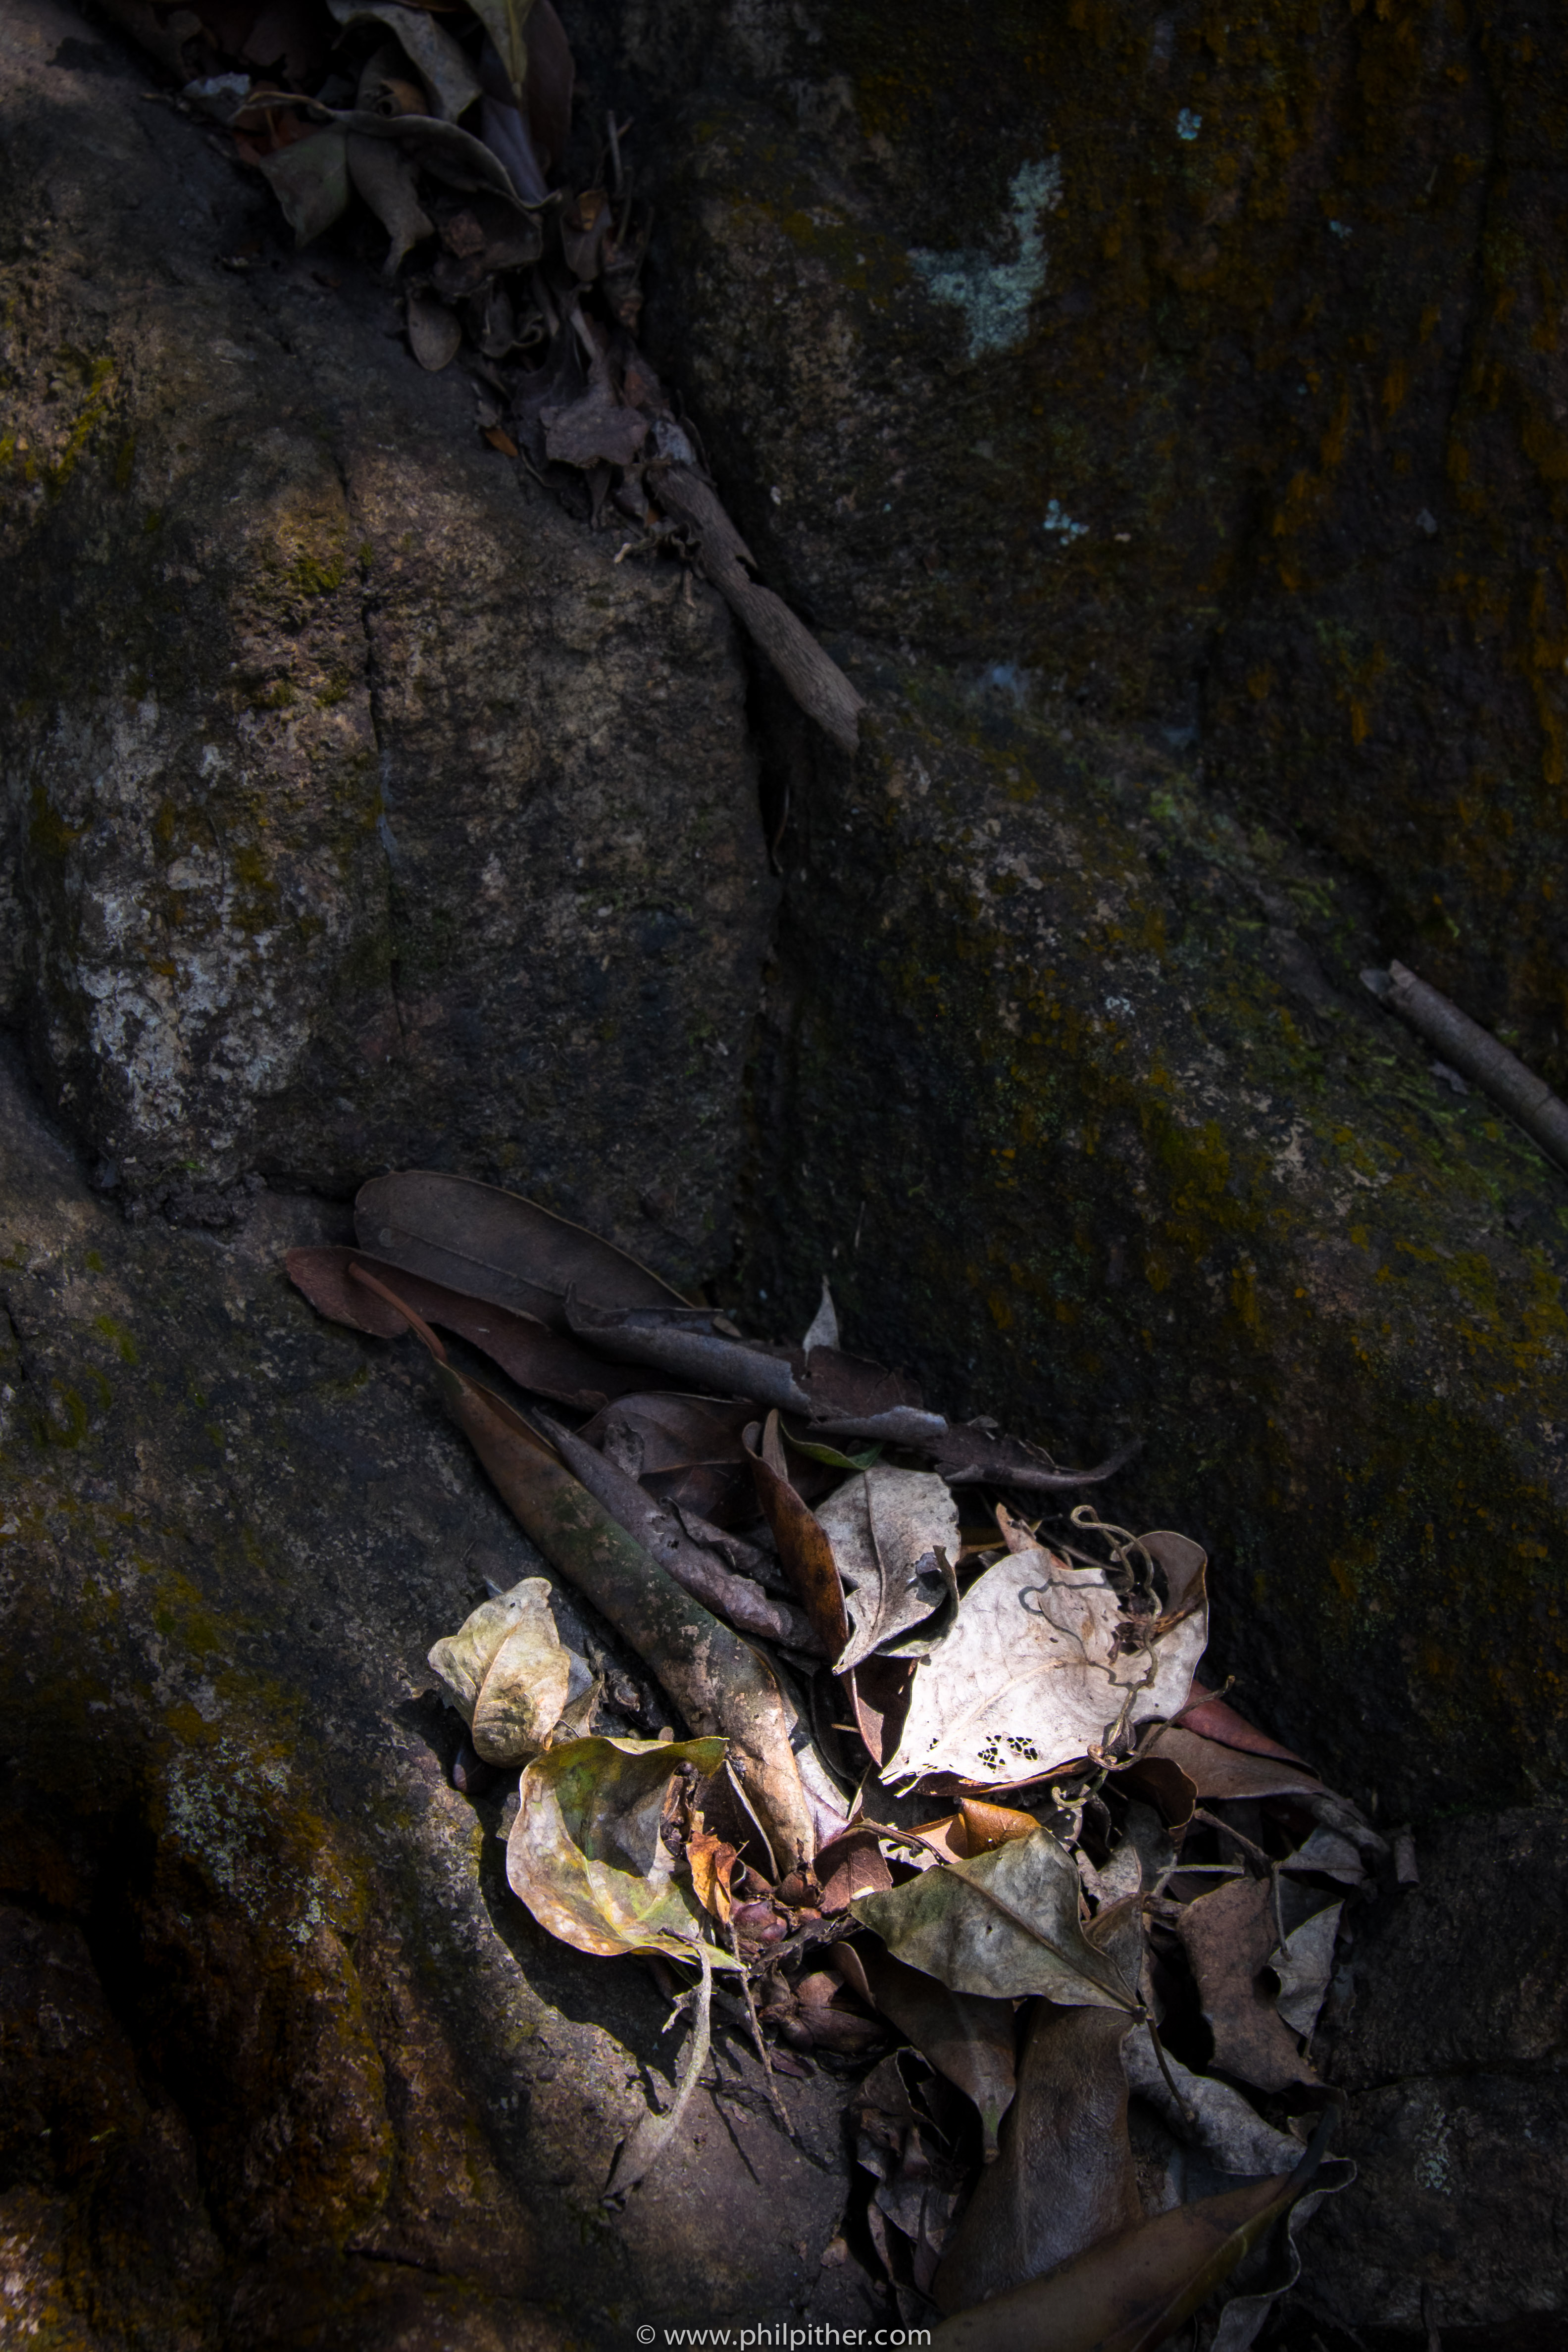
(994, 296)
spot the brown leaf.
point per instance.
(719, 1683)
(1216, 1771)
(985, 1826)
(1228, 1937)
(1065, 2174)
(535, 1357)
(804, 1547)
(1208, 1714)
(879, 1693)
(662, 1535)
(967, 2038)
(686, 1449)
(435, 336)
(1132, 2291)
(712, 1861)
(387, 181)
(596, 428)
(849, 1865)
(1161, 1779)
(496, 1244)
(499, 440)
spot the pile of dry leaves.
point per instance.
(939, 1789)
(449, 122)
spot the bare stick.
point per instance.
(1477, 1054)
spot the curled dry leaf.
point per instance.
(387, 181)
(893, 1534)
(435, 335)
(1304, 1963)
(1228, 1937)
(585, 1854)
(1216, 1771)
(803, 1541)
(712, 1861)
(849, 1865)
(694, 1567)
(508, 1672)
(533, 1357)
(1045, 1665)
(310, 178)
(1004, 1924)
(1134, 2290)
(1204, 2113)
(1065, 2174)
(495, 1244)
(443, 65)
(1211, 1718)
(718, 1682)
(967, 2038)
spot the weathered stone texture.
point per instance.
(1070, 1085)
(282, 2061)
(359, 808)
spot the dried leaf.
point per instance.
(802, 1542)
(435, 336)
(688, 1342)
(1205, 2114)
(1038, 1669)
(712, 1861)
(967, 2038)
(443, 66)
(1304, 1964)
(687, 1450)
(917, 2190)
(1228, 1937)
(893, 1533)
(851, 1863)
(822, 1331)
(585, 221)
(309, 179)
(504, 21)
(463, 1659)
(985, 1827)
(1216, 1771)
(661, 1534)
(495, 1244)
(524, 1693)
(1132, 2291)
(535, 1357)
(499, 440)
(1004, 1924)
(1209, 1715)
(386, 179)
(716, 1679)
(585, 1854)
(1066, 2176)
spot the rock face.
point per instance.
(1455, 2054)
(359, 808)
(1160, 415)
(1197, 366)
(284, 2063)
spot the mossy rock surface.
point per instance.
(359, 808)
(1204, 362)
(1072, 1089)
(285, 2062)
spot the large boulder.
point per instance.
(1201, 367)
(283, 2062)
(358, 806)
